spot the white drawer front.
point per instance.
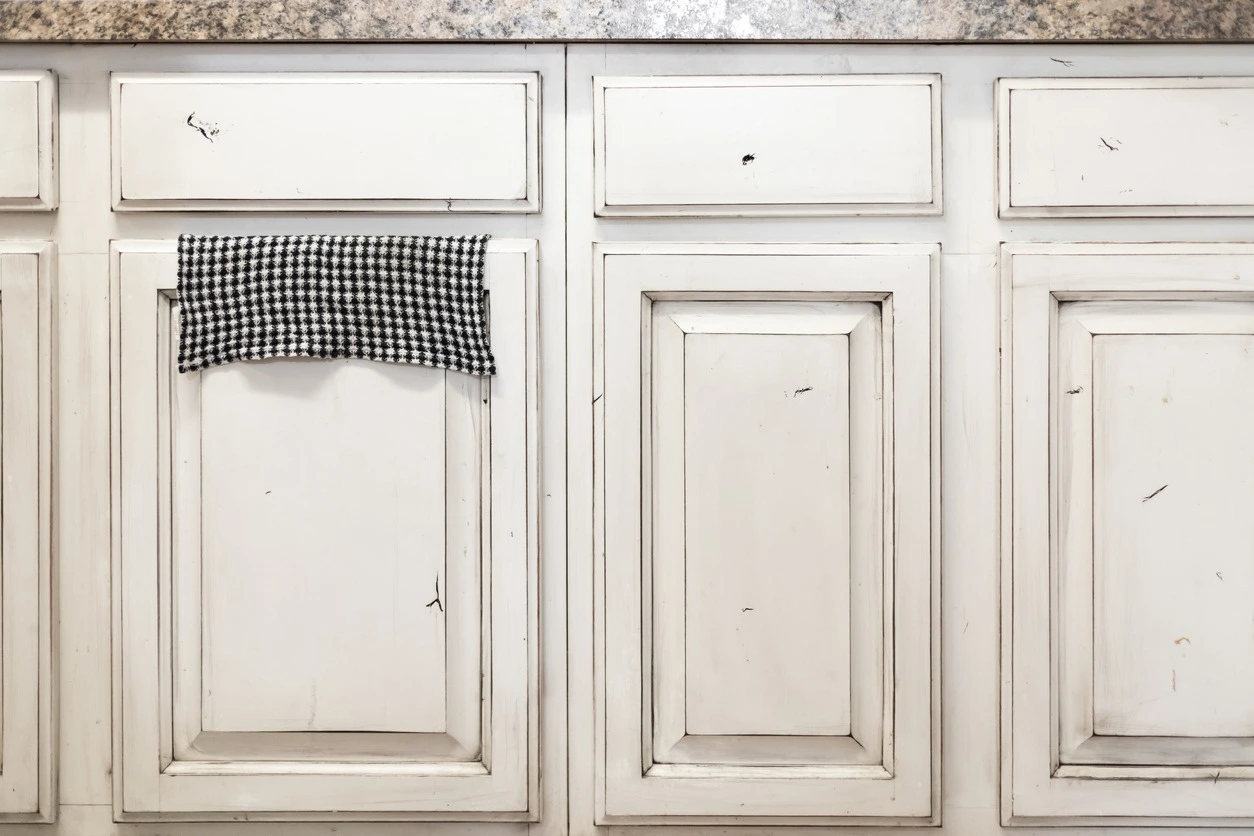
(27, 165)
(403, 141)
(1127, 147)
(797, 145)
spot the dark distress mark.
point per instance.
(1154, 494)
(205, 129)
(435, 602)
(747, 158)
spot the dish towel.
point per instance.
(397, 299)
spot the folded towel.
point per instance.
(397, 299)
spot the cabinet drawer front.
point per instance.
(1126, 147)
(381, 141)
(27, 167)
(792, 145)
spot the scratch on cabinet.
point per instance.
(206, 129)
(1154, 494)
(435, 602)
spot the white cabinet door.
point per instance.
(1129, 383)
(764, 457)
(27, 741)
(325, 573)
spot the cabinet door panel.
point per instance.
(1131, 481)
(27, 740)
(327, 573)
(767, 504)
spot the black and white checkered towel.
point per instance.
(398, 299)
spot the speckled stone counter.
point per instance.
(527, 20)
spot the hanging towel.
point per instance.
(397, 299)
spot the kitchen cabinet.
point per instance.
(27, 733)
(860, 458)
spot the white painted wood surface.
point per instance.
(1171, 613)
(323, 541)
(84, 432)
(324, 587)
(966, 625)
(447, 142)
(28, 144)
(27, 688)
(1136, 147)
(754, 145)
(1137, 357)
(686, 323)
(762, 463)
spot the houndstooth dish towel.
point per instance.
(397, 299)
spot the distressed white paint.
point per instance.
(1173, 480)
(1138, 147)
(383, 141)
(1128, 366)
(212, 571)
(681, 322)
(323, 544)
(749, 145)
(27, 731)
(765, 503)
(28, 102)
(970, 231)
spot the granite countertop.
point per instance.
(574, 20)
